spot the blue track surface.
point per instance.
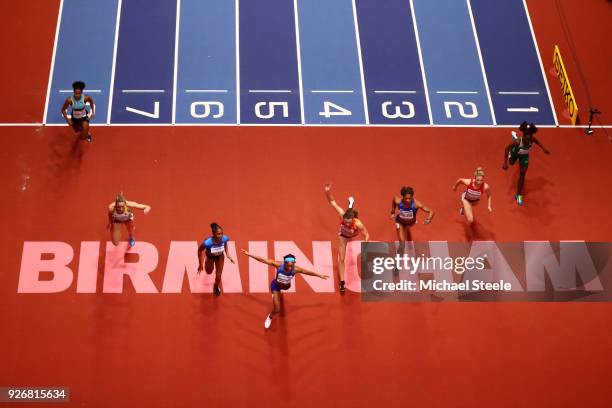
(394, 62)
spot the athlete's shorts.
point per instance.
(277, 287)
(522, 158)
(214, 257)
(124, 221)
(473, 202)
(399, 222)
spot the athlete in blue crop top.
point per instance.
(79, 117)
(407, 207)
(215, 249)
(285, 271)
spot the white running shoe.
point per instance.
(268, 322)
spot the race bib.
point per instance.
(79, 114)
(284, 279)
(217, 250)
(407, 215)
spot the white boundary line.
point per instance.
(51, 69)
(112, 82)
(237, 64)
(363, 87)
(535, 43)
(299, 59)
(35, 124)
(418, 42)
(176, 57)
(482, 67)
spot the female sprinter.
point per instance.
(285, 271)
(405, 218)
(519, 150)
(471, 196)
(120, 212)
(350, 227)
(79, 120)
(214, 247)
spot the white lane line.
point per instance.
(176, 58)
(331, 91)
(269, 91)
(535, 43)
(299, 59)
(112, 82)
(482, 68)
(143, 91)
(360, 59)
(237, 65)
(206, 90)
(457, 92)
(418, 41)
(57, 29)
(517, 93)
(395, 92)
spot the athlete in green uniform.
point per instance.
(519, 150)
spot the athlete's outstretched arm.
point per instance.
(92, 105)
(461, 181)
(332, 201)
(361, 226)
(228, 255)
(201, 251)
(111, 207)
(134, 204)
(487, 190)
(310, 273)
(270, 262)
(394, 203)
(536, 141)
(65, 111)
(507, 152)
(427, 210)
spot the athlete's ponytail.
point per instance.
(214, 227)
(350, 213)
(120, 198)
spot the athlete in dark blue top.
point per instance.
(403, 211)
(285, 271)
(215, 248)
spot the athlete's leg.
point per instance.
(115, 233)
(209, 265)
(402, 233)
(219, 262)
(467, 210)
(521, 180)
(85, 130)
(341, 258)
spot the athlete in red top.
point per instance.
(350, 227)
(471, 196)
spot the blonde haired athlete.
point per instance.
(471, 196)
(120, 212)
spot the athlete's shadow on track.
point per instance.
(537, 206)
(66, 155)
(476, 232)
